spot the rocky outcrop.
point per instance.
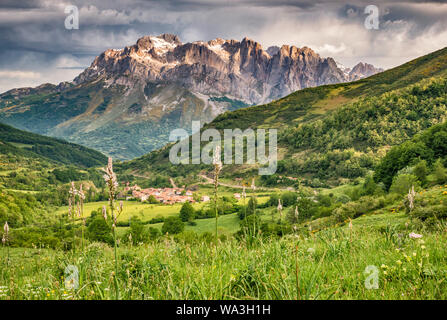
(362, 70)
(240, 69)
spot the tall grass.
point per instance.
(328, 266)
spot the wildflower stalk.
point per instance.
(296, 217)
(116, 255)
(112, 185)
(280, 216)
(411, 196)
(81, 214)
(71, 208)
(217, 168)
(253, 189)
(244, 196)
(297, 280)
(217, 163)
(5, 240)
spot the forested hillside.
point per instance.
(429, 148)
(29, 144)
(349, 141)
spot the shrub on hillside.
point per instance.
(430, 216)
(273, 200)
(187, 212)
(288, 198)
(29, 237)
(439, 172)
(137, 232)
(343, 198)
(353, 210)
(152, 200)
(270, 230)
(189, 237)
(307, 208)
(172, 225)
(404, 182)
(157, 219)
(421, 172)
(99, 231)
(154, 233)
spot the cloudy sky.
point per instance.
(35, 46)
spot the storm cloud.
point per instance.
(36, 48)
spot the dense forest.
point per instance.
(349, 141)
(428, 148)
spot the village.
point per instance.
(166, 196)
(161, 195)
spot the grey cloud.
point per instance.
(33, 37)
(24, 4)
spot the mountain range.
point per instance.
(331, 134)
(128, 101)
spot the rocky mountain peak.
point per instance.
(240, 69)
(159, 83)
(273, 50)
(362, 70)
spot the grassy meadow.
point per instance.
(354, 241)
(145, 212)
(374, 259)
(331, 264)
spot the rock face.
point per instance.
(362, 70)
(359, 71)
(128, 100)
(238, 69)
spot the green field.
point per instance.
(333, 264)
(144, 212)
(228, 224)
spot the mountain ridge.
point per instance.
(128, 100)
(165, 58)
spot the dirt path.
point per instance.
(211, 181)
(139, 175)
(172, 183)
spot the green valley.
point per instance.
(361, 183)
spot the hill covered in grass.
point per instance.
(35, 172)
(335, 133)
(18, 142)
